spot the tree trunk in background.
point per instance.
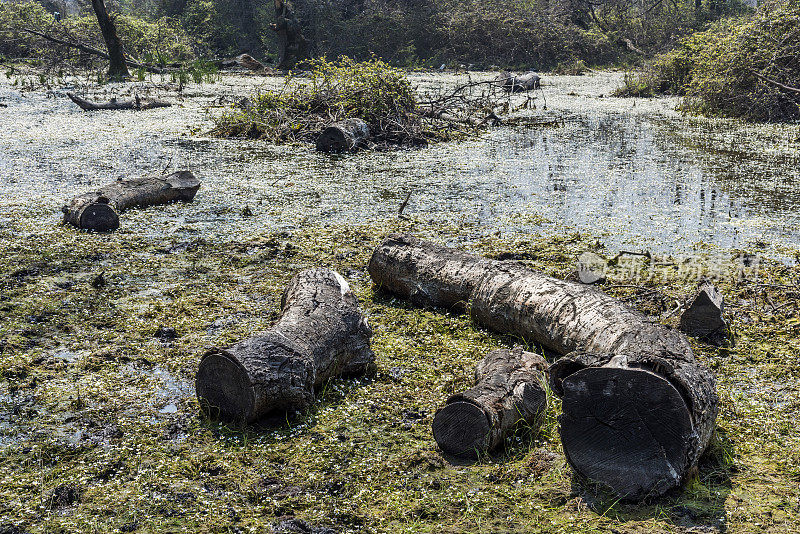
(509, 389)
(321, 334)
(117, 68)
(292, 45)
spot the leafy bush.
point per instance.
(371, 90)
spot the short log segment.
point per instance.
(703, 318)
(321, 334)
(509, 390)
(343, 136)
(637, 415)
(99, 210)
(136, 103)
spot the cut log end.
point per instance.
(99, 217)
(224, 388)
(332, 140)
(462, 430)
(628, 428)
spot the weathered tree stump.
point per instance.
(703, 317)
(242, 61)
(638, 364)
(508, 390)
(136, 103)
(321, 334)
(99, 210)
(343, 136)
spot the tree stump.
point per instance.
(343, 136)
(99, 210)
(508, 391)
(321, 334)
(703, 317)
(292, 44)
(635, 364)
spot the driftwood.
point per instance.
(518, 83)
(135, 103)
(343, 136)
(242, 61)
(99, 210)
(703, 317)
(321, 334)
(638, 412)
(509, 389)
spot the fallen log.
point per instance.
(703, 317)
(518, 83)
(509, 390)
(321, 334)
(343, 136)
(664, 400)
(135, 103)
(242, 61)
(99, 210)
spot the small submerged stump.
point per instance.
(703, 317)
(508, 390)
(344, 136)
(321, 334)
(639, 409)
(99, 210)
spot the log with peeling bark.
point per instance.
(509, 390)
(703, 318)
(242, 61)
(343, 136)
(638, 413)
(321, 334)
(99, 210)
(136, 103)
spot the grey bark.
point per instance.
(518, 83)
(135, 103)
(703, 317)
(650, 361)
(343, 136)
(509, 390)
(321, 334)
(99, 210)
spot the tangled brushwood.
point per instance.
(372, 91)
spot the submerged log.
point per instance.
(242, 61)
(642, 371)
(703, 317)
(135, 103)
(321, 334)
(343, 136)
(509, 390)
(518, 83)
(99, 210)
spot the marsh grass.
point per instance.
(84, 379)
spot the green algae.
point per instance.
(87, 374)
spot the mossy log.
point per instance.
(136, 103)
(99, 210)
(321, 334)
(637, 414)
(343, 136)
(509, 389)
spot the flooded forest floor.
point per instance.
(101, 334)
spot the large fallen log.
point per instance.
(637, 414)
(242, 61)
(343, 136)
(509, 390)
(135, 103)
(518, 83)
(99, 210)
(321, 334)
